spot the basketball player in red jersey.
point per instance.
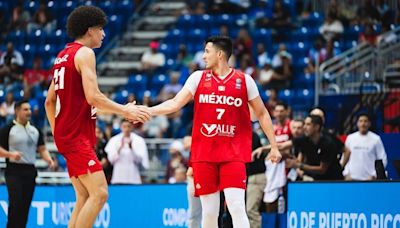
(71, 104)
(221, 130)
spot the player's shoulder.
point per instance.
(85, 52)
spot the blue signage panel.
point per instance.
(127, 206)
(358, 204)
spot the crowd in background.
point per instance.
(272, 71)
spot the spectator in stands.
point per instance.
(347, 12)
(386, 38)
(19, 19)
(317, 53)
(7, 108)
(176, 160)
(283, 73)
(318, 159)
(343, 152)
(243, 44)
(277, 59)
(369, 35)
(256, 181)
(262, 55)
(280, 17)
(332, 28)
(366, 148)
(272, 100)
(37, 75)
(14, 55)
(224, 30)
(266, 74)
(157, 126)
(42, 19)
(169, 90)
(247, 66)
(102, 155)
(179, 175)
(184, 57)
(152, 59)
(127, 152)
(367, 12)
(20, 142)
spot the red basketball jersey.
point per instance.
(75, 120)
(221, 126)
(282, 133)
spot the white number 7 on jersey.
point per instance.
(221, 112)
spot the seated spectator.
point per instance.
(366, 147)
(176, 160)
(243, 44)
(317, 159)
(277, 58)
(332, 28)
(266, 74)
(347, 12)
(19, 19)
(37, 75)
(169, 90)
(42, 19)
(369, 35)
(386, 38)
(280, 17)
(283, 73)
(152, 59)
(367, 12)
(262, 55)
(316, 53)
(272, 100)
(102, 155)
(13, 55)
(247, 66)
(7, 108)
(127, 152)
(224, 30)
(184, 58)
(179, 175)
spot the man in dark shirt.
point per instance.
(317, 155)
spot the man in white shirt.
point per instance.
(152, 59)
(127, 152)
(366, 147)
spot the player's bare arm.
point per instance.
(172, 105)
(266, 124)
(85, 63)
(50, 106)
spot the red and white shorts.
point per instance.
(82, 162)
(212, 177)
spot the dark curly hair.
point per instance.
(83, 18)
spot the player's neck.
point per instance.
(222, 70)
(84, 41)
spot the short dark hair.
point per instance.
(223, 43)
(18, 104)
(364, 114)
(281, 103)
(316, 120)
(84, 17)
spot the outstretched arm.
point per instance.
(266, 124)
(172, 105)
(85, 63)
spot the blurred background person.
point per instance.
(127, 152)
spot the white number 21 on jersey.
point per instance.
(59, 78)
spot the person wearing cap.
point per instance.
(152, 58)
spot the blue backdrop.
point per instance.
(360, 204)
(127, 206)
